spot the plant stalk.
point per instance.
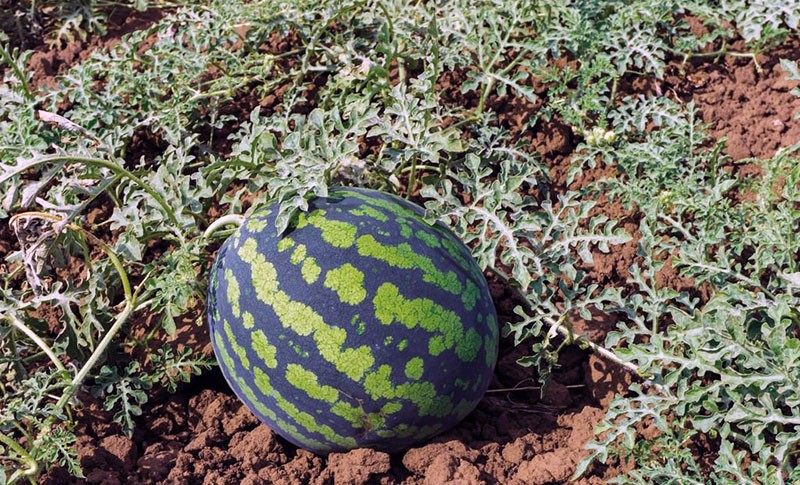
(101, 347)
(19, 325)
(118, 170)
(720, 53)
(557, 326)
(20, 75)
(25, 458)
(235, 219)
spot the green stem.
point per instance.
(19, 325)
(490, 83)
(484, 94)
(118, 170)
(101, 347)
(529, 388)
(412, 177)
(465, 121)
(33, 357)
(559, 327)
(214, 94)
(20, 75)
(388, 17)
(19, 269)
(123, 276)
(432, 168)
(235, 219)
(72, 389)
(719, 53)
(24, 457)
(511, 65)
(614, 86)
(20, 372)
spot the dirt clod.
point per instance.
(358, 466)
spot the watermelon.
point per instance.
(361, 325)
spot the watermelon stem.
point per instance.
(114, 167)
(32, 466)
(7, 56)
(529, 388)
(230, 219)
(36, 339)
(559, 326)
(724, 51)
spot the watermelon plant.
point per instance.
(361, 325)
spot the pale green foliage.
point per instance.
(313, 152)
(24, 408)
(170, 368)
(533, 242)
(727, 368)
(754, 18)
(124, 393)
(165, 128)
(64, 21)
(794, 74)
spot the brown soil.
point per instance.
(46, 63)
(755, 111)
(203, 434)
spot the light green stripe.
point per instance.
(298, 254)
(284, 244)
(401, 212)
(428, 239)
(470, 295)
(379, 385)
(265, 350)
(368, 422)
(302, 319)
(414, 368)
(310, 270)
(403, 256)
(233, 292)
(392, 207)
(256, 225)
(391, 306)
(247, 320)
(453, 250)
(348, 283)
(339, 234)
(257, 404)
(238, 349)
(467, 348)
(490, 341)
(302, 418)
(306, 381)
(371, 212)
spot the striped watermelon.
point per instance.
(360, 326)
